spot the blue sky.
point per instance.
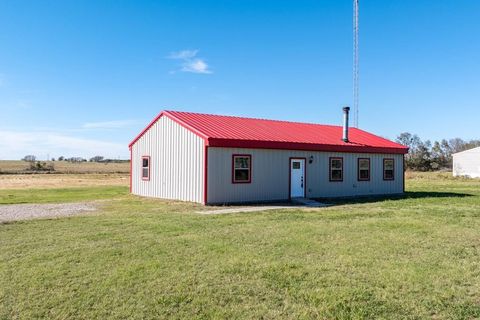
(80, 78)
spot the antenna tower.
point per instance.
(355, 63)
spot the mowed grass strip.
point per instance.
(417, 257)
(59, 195)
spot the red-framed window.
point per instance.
(241, 168)
(336, 169)
(389, 169)
(363, 172)
(146, 168)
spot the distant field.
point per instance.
(411, 257)
(53, 180)
(14, 166)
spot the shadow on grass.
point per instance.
(407, 195)
(350, 200)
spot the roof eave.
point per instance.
(257, 144)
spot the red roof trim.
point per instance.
(205, 175)
(146, 129)
(230, 143)
(172, 117)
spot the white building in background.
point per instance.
(467, 163)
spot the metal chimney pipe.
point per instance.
(346, 110)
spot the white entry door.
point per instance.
(297, 178)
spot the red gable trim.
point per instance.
(230, 143)
(146, 129)
(168, 115)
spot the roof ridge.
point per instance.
(252, 118)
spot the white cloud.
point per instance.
(115, 124)
(184, 54)
(190, 62)
(196, 66)
(15, 145)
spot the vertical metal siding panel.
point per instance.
(467, 163)
(176, 163)
(457, 166)
(153, 151)
(134, 165)
(270, 174)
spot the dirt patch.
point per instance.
(27, 181)
(15, 212)
(261, 208)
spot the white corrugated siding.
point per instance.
(467, 163)
(177, 163)
(270, 175)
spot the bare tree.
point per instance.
(29, 158)
(97, 159)
(424, 156)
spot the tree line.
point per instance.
(422, 155)
(428, 156)
(33, 158)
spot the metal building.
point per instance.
(467, 163)
(213, 159)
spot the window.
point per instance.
(145, 168)
(242, 168)
(388, 169)
(363, 169)
(336, 169)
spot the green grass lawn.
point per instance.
(416, 257)
(17, 196)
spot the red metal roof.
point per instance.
(228, 131)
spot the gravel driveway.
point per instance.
(14, 212)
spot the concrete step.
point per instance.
(308, 202)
